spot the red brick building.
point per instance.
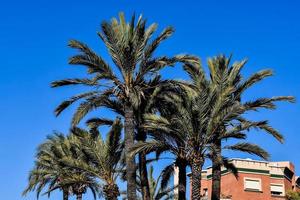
(257, 180)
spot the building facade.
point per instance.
(256, 180)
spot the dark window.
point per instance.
(276, 193)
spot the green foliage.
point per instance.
(49, 172)
(293, 195)
(97, 156)
(157, 192)
(193, 116)
(77, 162)
(131, 47)
(159, 187)
(126, 85)
(186, 118)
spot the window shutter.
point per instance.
(277, 188)
(252, 184)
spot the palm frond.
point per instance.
(147, 147)
(249, 148)
(96, 122)
(75, 81)
(166, 175)
(65, 104)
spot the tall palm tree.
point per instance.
(224, 75)
(227, 115)
(146, 106)
(166, 109)
(150, 102)
(188, 131)
(49, 172)
(99, 158)
(132, 52)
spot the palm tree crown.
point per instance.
(98, 157)
(50, 172)
(225, 75)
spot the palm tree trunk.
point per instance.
(143, 169)
(196, 178)
(216, 171)
(181, 179)
(79, 197)
(130, 161)
(144, 176)
(111, 192)
(65, 194)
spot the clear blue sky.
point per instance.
(33, 52)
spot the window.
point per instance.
(277, 189)
(252, 184)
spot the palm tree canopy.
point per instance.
(203, 107)
(97, 156)
(225, 76)
(131, 48)
(51, 173)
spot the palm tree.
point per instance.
(132, 52)
(148, 104)
(223, 75)
(166, 108)
(99, 158)
(188, 129)
(226, 119)
(49, 171)
(41, 178)
(166, 144)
